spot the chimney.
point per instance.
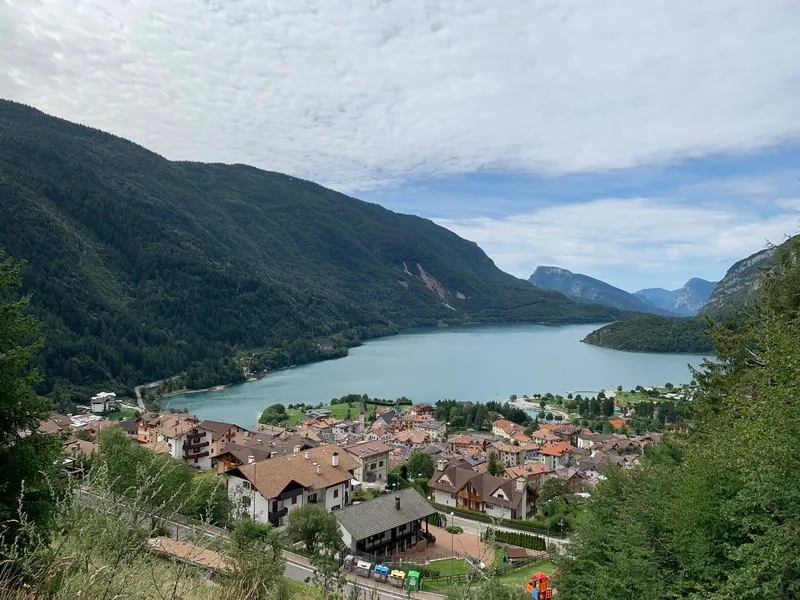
(521, 481)
(319, 469)
(251, 459)
(296, 449)
(335, 459)
(308, 454)
(442, 464)
(397, 502)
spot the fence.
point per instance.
(495, 571)
(510, 523)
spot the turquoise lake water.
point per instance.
(477, 363)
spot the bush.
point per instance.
(454, 529)
(517, 538)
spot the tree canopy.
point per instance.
(713, 512)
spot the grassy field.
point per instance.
(521, 575)
(515, 578)
(121, 414)
(339, 413)
(459, 567)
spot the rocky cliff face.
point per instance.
(686, 301)
(741, 282)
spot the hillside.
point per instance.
(741, 282)
(654, 333)
(685, 301)
(740, 286)
(141, 267)
(588, 289)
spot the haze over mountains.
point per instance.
(686, 301)
(140, 267)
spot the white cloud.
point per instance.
(631, 243)
(357, 93)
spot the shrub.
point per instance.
(455, 529)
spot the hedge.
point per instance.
(517, 538)
(513, 523)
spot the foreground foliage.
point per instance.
(714, 513)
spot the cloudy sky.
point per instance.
(639, 141)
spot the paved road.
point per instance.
(138, 391)
(477, 528)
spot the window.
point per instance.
(372, 466)
(245, 501)
(380, 464)
(294, 499)
(336, 493)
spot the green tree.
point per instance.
(258, 563)
(26, 457)
(668, 385)
(273, 415)
(495, 466)
(552, 488)
(420, 465)
(315, 527)
(712, 513)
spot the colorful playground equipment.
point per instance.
(538, 586)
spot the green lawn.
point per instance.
(339, 413)
(522, 575)
(121, 414)
(459, 567)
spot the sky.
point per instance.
(641, 142)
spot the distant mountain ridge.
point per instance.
(741, 282)
(685, 301)
(588, 289)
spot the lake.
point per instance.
(475, 362)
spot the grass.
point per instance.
(522, 575)
(121, 414)
(459, 567)
(339, 412)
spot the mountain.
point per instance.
(686, 301)
(740, 286)
(140, 267)
(741, 282)
(588, 289)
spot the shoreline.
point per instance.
(216, 388)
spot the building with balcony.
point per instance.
(387, 525)
(373, 460)
(267, 490)
(463, 488)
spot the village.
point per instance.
(402, 486)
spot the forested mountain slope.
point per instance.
(588, 289)
(141, 267)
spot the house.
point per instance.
(90, 424)
(103, 402)
(415, 438)
(129, 428)
(509, 454)
(424, 409)
(319, 413)
(521, 438)
(516, 555)
(465, 489)
(505, 428)
(378, 432)
(372, 459)
(544, 436)
(531, 451)
(555, 455)
(267, 490)
(587, 441)
(292, 444)
(472, 443)
(567, 433)
(54, 425)
(148, 424)
(437, 430)
(79, 448)
(222, 433)
(575, 478)
(533, 472)
(387, 525)
(185, 440)
(236, 455)
(347, 432)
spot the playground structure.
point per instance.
(539, 586)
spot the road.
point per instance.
(296, 567)
(138, 391)
(534, 406)
(477, 528)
